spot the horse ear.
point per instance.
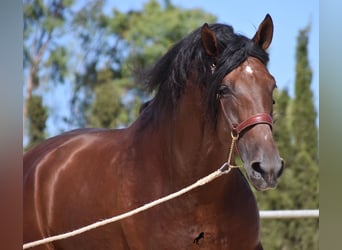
(209, 41)
(263, 37)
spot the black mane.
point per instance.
(169, 75)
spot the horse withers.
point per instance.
(210, 86)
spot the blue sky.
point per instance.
(288, 16)
(245, 16)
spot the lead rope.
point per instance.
(221, 171)
(234, 139)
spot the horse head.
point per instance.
(245, 93)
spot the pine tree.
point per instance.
(37, 115)
(305, 165)
(304, 114)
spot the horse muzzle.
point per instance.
(264, 175)
(258, 151)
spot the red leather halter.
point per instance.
(261, 118)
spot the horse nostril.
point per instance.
(256, 166)
(280, 172)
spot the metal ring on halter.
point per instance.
(234, 137)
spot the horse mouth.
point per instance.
(261, 182)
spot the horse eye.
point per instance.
(224, 90)
(273, 101)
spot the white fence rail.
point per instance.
(289, 214)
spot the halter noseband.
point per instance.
(260, 118)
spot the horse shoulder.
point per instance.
(64, 174)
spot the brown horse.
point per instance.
(210, 84)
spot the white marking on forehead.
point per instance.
(249, 69)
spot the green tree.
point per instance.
(108, 52)
(93, 52)
(304, 114)
(44, 58)
(138, 39)
(305, 164)
(37, 115)
(108, 110)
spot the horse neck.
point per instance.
(189, 143)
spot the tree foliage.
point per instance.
(44, 57)
(107, 110)
(137, 39)
(37, 115)
(304, 115)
